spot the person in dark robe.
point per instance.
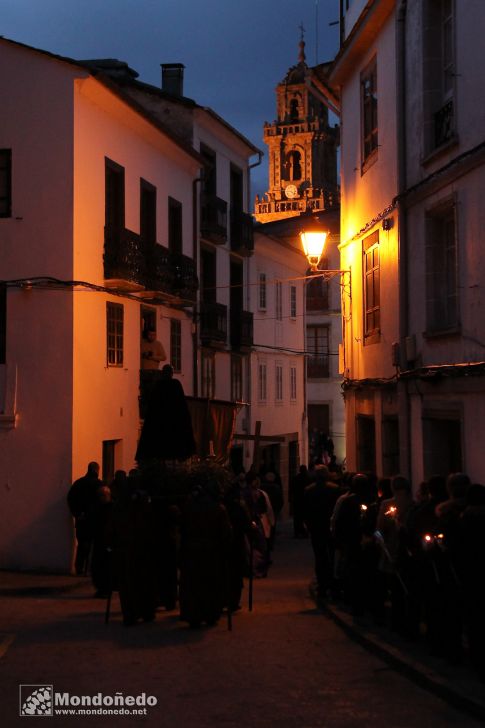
(238, 565)
(82, 500)
(205, 535)
(319, 501)
(297, 501)
(167, 429)
(133, 539)
(101, 558)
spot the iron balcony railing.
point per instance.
(241, 332)
(213, 324)
(242, 235)
(128, 257)
(213, 222)
(318, 367)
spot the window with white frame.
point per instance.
(372, 296)
(293, 302)
(262, 292)
(279, 382)
(318, 346)
(293, 383)
(114, 334)
(442, 311)
(262, 381)
(208, 374)
(279, 300)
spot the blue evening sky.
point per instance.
(234, 51)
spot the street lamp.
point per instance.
(313, 243)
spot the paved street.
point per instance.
(284, 665)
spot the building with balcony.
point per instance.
(97, 235)
(223, 231)
(413, 150)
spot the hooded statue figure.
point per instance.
(167, 429)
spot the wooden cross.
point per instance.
(257, 438)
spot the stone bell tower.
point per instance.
(301, 151)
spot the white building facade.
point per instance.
(412, 230)
(96, 229)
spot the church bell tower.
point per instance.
(302, 151)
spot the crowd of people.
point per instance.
(414, 563)
(157, 550)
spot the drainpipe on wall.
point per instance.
(195, 308)
(403, 274)
(248, 305)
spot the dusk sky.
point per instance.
(234, 51)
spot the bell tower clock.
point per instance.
(301, 151)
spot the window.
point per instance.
(371, 287)
(3, 323)
(262, 390)
(278, 383)
(293, 383)
(114, 319)
(236, 378)
(174, 225)
(279, 300)
(293, 166)
(114, 197)
(318, 350)
(208, 374)
(317, 290)
(441, 269)
(148, 212)
(209, 182)
(5, 182)
(176, 344)
(262, 291)
(438, 72)
(368, 86)
(293, 301)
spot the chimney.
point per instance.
(173, 78)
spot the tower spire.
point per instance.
(301, 54)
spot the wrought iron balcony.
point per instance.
(318, 367)
(443, 124)
(124, 257)
(136, 264)
(242, 235)
(213, 324)
(213, 222)
(241, 334)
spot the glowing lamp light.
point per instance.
(313, 244)
(427, 538)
